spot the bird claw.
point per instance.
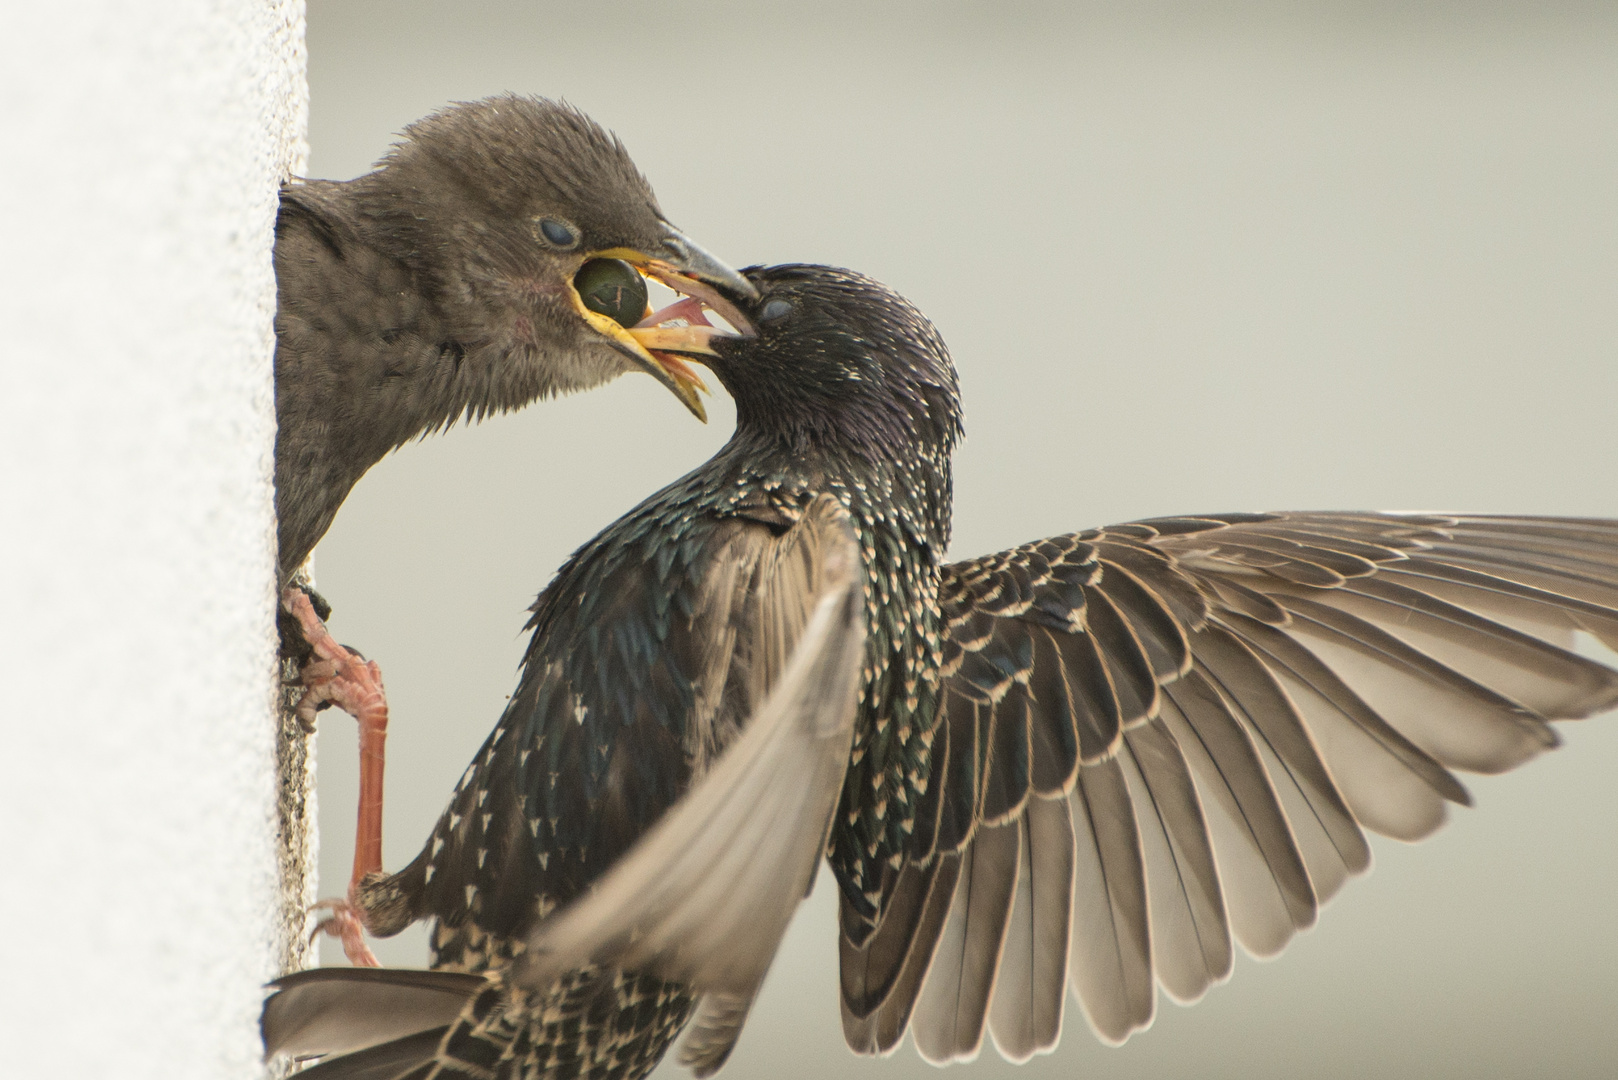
(344, 678)
(334, 675)
(346, 923)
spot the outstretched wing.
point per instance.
(1159, 735)
(704, 897)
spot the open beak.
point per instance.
(692, 272)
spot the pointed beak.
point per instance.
(689, 270)
(686, 257)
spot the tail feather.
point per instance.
(342, 1010)
(713, 1034)
(409, 1058)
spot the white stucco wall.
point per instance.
(141, 146)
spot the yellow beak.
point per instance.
(692, 272)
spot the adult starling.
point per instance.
(1092, 760)
(493, 257)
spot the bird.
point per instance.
(493, 257)
(1096, 761)
(482, 265)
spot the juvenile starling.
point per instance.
(493, 257)
(1090, 760)
(447, 284)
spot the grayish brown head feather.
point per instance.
(428, 290)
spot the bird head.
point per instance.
(534, 229)
(839, 360)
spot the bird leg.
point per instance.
(344, 678)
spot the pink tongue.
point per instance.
(688, 308)
(678, 365)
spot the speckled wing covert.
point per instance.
(704, 898)
(1159, 735)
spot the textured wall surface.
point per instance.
(143, 145)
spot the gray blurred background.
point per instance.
(1305, 256)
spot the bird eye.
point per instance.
(559, 233)
(775, 310)
(613, 288)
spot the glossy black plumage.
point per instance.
(1094, 760)
(663, 635)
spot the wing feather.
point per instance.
(1006, 728)
(869, 971)
(1329, 838)
(953, 1007)
(881, 1030)
(1129, 670)
(1052, 728)
(704, 897)
(1026, 1016)
(1110, 952)
(1228, 702)
(1191, 943)
(1266, 883)
(958, 794)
